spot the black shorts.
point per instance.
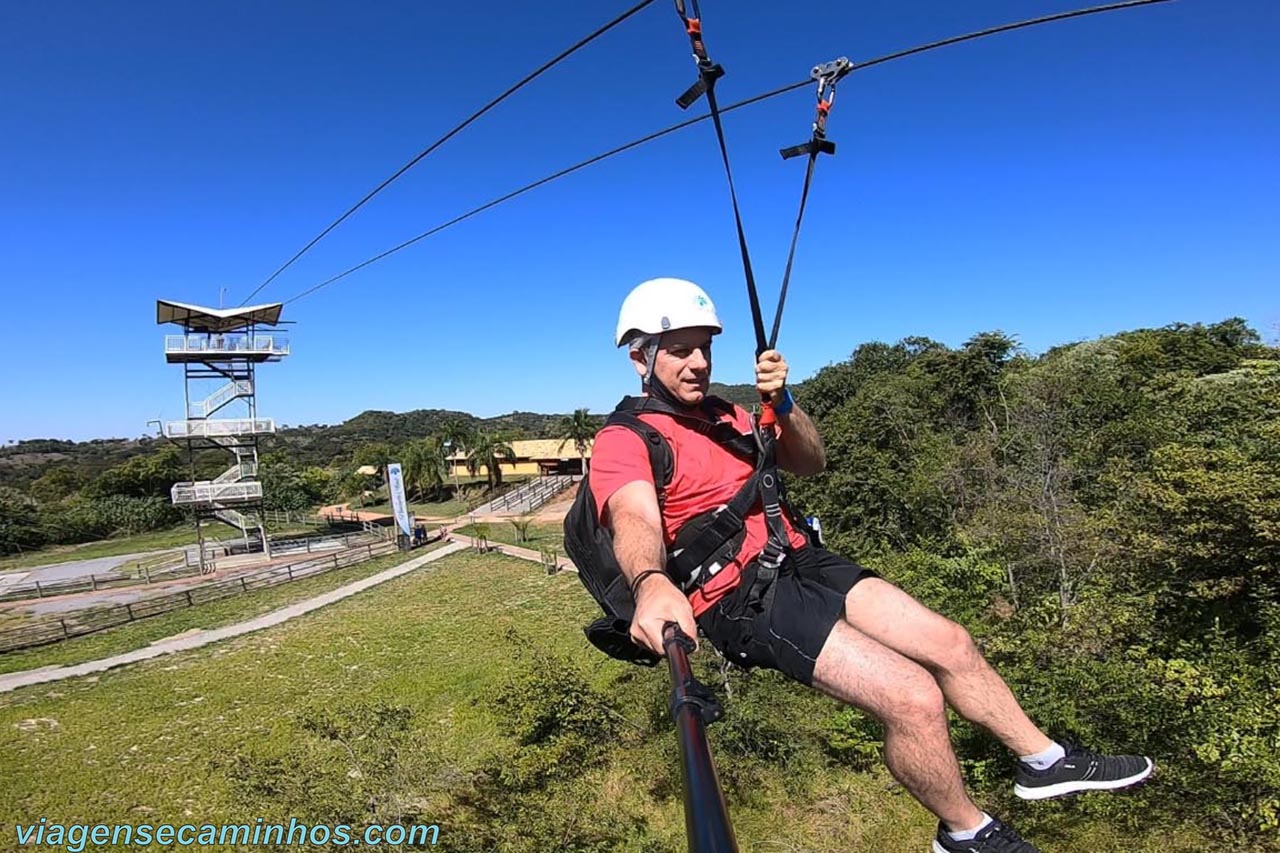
(791, 630)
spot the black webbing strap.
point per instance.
(726, 525)
(827, 76)
(777, 544)
(721, 432)
(708, 73)
(766, 476)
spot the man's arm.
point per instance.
(800, 449)
(636, 523)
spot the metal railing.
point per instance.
(231, 391)
(233, 345)
(219, 427)
(529, 497)
(214, 492)
(238, 472)
(237, 519)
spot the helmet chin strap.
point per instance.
(653, 386)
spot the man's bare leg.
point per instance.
(889, 616)
(905, 698)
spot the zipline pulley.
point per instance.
(827, 75)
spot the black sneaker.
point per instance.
(995, 838)
(1081, 770)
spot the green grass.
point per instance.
(215, 614)
(221, 733)
(155, 540)
(541, 534)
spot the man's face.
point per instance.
(683, 364)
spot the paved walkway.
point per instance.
(194, 640)
(74, 569)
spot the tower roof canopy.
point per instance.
(201, 319)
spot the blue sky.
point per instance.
(1058, 183)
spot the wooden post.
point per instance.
(146, 573)
(93, 581)
(243, 585)
(190, 603)
(289, 568)
(40, 592)
(128, 608)
(65, 632)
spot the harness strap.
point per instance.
(777, 545)
(685, 566)
(827, 75)
(708, 73)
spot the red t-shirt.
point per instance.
(705, 475)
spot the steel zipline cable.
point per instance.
(806, 83)
(528, 78)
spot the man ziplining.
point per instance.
(702, 536)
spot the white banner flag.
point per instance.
(395, 485)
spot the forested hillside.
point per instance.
(1105, 518)
(26, 461)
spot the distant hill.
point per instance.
(24, 461)
(323, 445)
(744, 395)
(318, 444)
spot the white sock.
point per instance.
(1046, 759)
(970, 834)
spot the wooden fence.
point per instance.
(52, 630)
(147, 573)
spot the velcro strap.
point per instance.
(796, 150)
(708, 74)
(691, 95)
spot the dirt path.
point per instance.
(344, 511)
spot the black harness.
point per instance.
(704, 545)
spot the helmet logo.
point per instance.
(702, 301)
(666, 323)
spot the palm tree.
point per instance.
(487, 450)
(580, 428)
(456, 437)
(424, 465)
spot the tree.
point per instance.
(19, 525)
(376, 453)
(487, 451)
(580, 428)
(283, 486)
(145, 476)
(425, 462)
(56, 484)
(355, 485)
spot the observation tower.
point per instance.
(220, 351)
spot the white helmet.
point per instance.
(664, 305)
